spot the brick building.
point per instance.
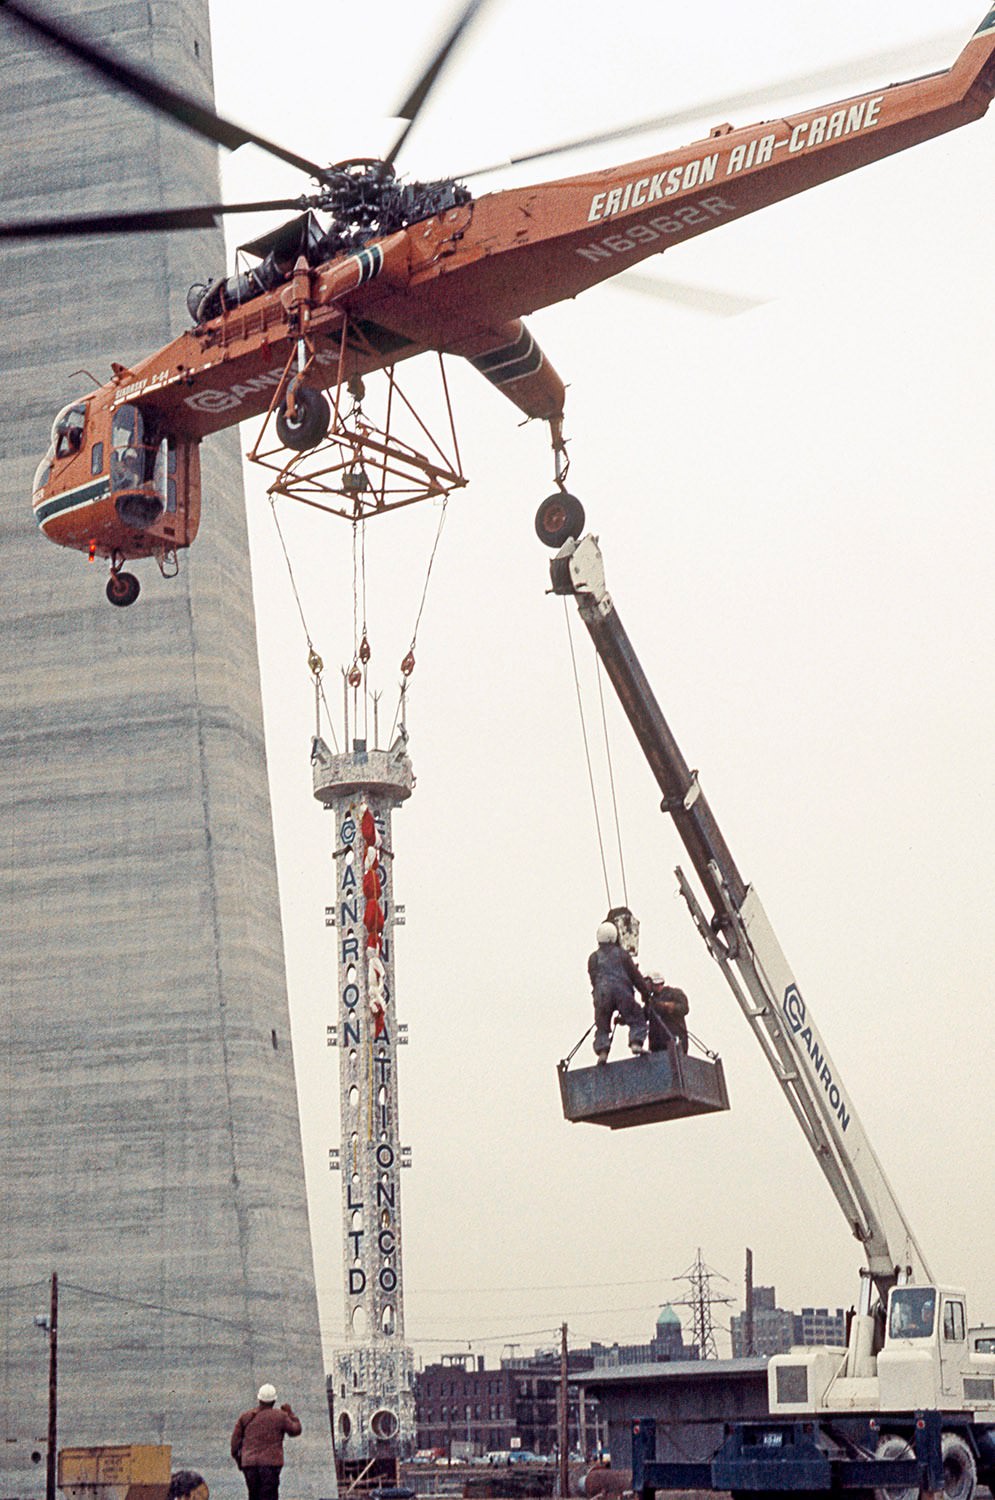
(468, 1410)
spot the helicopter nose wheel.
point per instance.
(560, 515)
(123, 589)
(309, 424)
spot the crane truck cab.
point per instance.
(928, 1360)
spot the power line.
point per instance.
(549, 1286)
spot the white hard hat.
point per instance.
(607, 932)
(266, 1393)
(655, 978)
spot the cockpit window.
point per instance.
(67, 430)
(137, 467)
(42, 473)
(126, 429)
(913, 1309)
(134, 452)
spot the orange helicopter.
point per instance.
(400, 270)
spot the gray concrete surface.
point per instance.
(149, 1138)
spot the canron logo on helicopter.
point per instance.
(371, 272)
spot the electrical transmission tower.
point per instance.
(701, 1299)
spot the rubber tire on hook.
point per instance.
(123, 589)
(559, 516)
(310, 425)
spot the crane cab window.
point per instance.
(953, 1322)
(913, 1309)
(67, 431)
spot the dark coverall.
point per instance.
(614, 981)
(666, 1009)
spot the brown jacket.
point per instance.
(258, 1436)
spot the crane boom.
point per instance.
(741, 940)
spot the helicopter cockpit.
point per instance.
(115, 484)
(138, 468)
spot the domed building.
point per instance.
(668, 1339)
(665, 1346)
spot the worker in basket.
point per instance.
(666, 1013)
(614, 981)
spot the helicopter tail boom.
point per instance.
(511, 360)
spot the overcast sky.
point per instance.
(795, 510)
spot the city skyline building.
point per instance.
(778, 1329)
(149, 1133)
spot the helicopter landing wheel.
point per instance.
(559, 516)
(309, 424)
(123, 589)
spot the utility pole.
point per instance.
(749, 1343)
(53, 1390)
(564, 1415)
(582, 1421)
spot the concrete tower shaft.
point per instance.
(373, 1373)
(148, 1131)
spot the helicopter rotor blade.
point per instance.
(919, 54)
(204, 216)
(150, 91)
(413, 104)
(703, 299)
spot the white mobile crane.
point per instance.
(912, 1396)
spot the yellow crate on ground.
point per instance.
(132, 1471)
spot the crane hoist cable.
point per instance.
(611, 783)
(314, 661)
(356, 676)
(590, 768)
(408, 664)
(361, 652)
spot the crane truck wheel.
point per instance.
(893, 1445)
(559, 516)
(309, 424)
(960, 1472)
